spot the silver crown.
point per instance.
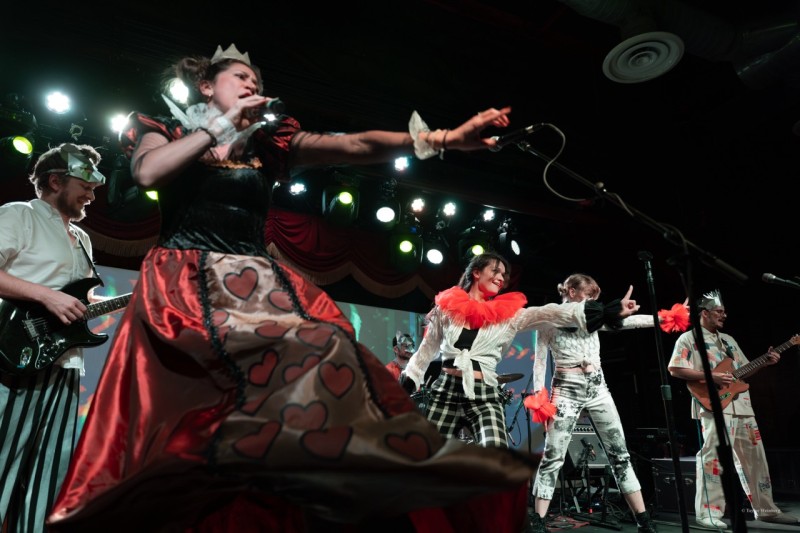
(711, 300)
(230, 53)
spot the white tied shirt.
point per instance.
(491, 342)
(575, 348)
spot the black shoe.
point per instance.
(645, 523)
(536, 524)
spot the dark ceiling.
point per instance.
(707, 150)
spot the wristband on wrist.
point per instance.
(211, 135)
(420, 133)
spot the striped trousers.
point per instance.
(38, 430)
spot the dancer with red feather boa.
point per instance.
(472, 325)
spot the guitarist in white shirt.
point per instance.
(41, 250)
(746, 443)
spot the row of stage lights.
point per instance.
(21, 134)
(409, 241)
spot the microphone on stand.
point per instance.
(772, 278)
(514, 137)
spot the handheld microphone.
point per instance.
(772, 278)
(502, 141)
(275, 107)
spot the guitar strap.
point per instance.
(728, 349)
(91, 263)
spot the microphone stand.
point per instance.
(583, 466)
(689, 251)
(666, 394)
(671, 234)
(522, 396)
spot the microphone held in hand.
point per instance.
(772, 278)
(274, 106)
(514, 137)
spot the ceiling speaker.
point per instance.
(643, 57)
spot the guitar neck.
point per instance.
(757, 363)
(106, 306)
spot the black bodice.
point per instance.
(216, 209)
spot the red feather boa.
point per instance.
(457, 304)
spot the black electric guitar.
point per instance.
(727, 394)
(31, 337)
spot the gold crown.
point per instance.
(230, 53)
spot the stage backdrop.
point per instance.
(374, 326)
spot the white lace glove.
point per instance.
(416, 126)
(212, 120)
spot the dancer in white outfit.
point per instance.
(577, 385)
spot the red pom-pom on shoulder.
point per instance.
(675, 319)
(540, 406)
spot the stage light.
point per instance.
(387, 210)
(17, 129)
(507, 242)
(15, 154)
(177, 90)
(406, 245)
(20, 144)
(118, 123)
(386, 213)
(436, 248)
(297, 188)
(401, 164)
(58, 102)
(127, 201)
(473, 241)
(340, 204)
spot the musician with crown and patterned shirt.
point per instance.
(725, 358)
(41, 251)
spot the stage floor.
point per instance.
(618, 518)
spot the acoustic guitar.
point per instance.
(699, 389)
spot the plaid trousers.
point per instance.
(450, 410)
